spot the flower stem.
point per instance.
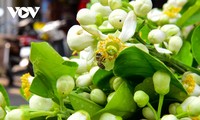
(161, 99)
(183, 114)
(154, 111)
(42, 113)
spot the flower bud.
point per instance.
(148, 113)
(86, 17)
(141, 98)
(17, 114)
(184, 105)
(115, 4)
(64, 85)
(104, 2)
(98, 96)
(2, 113)
(117, 18)
(2, 100)
(169, 117)
(173, 107)
(157, 16)
(78, 39)
(79, 115)
(103, 10)
(84, 80)
(170, 30)
(40, 103)
(175, 44)
(193, 108)
(117, 82)
(161, 81)
(82, 65)
(142, 7)
(110, 96)
(109, 116)
(93, 70)
(156, 36)
(85, 95)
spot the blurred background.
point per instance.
(51, 23)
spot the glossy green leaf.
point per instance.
(185, 55)
(196, 44)
(80, 103)
(5, 94)
(135, 62)
(48, 67)
(121, 104)
(101, 78)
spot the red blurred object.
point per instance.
(83, 4)
(25, 40)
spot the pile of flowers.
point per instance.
(130, 61)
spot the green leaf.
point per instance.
(80, 103)
(101, 78)
(121, 104)
(190, 13)
(5, 94)
(185, 55)
(48, 66)
(196, 44)
(135, 62)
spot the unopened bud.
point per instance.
(170, 30)
(109, 116)
(84, 80)
(142, 7)
(173, 107)
(79, 115)
(40, 103)
(148, 113)
(117, 18)
(169, 117)
(193, 108)
(156, 36)
(103, 10)
(64, 85)
(141, 98)
(98, 96)
(86, 16)
(175, 44)
(161, 81)
(117, 82)
(104, 2)
(17, 114)
(115, 4)
(110, 96)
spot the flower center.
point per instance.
(189, 83)
(172, 11)
(26, 85)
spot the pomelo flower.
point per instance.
(79, 115)
(26, 80)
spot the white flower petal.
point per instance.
(162, 50)
(129, 26)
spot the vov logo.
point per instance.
(23, 12)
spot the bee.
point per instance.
(100, 59)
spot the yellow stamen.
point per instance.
(189, 83)
(172, 12)
(26, 85)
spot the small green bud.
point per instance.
(79, 115)
(173, 107)
(175, 44)
(161, 81)
(110, 96)
(40, 103)
(86, 16)
(169, 117)
(109, 116)
(117, 82)
(148, 113)
(103, 10)
(84, 80)
(2, 113)
(156, 36)
(17, 114)
(117, 18)
(141, 98)
(64, 85)
(142, 7)
(104, 2)
(85, 95)
(115, 4)
(170, 30)
(2, 100)
(98, 96)
(78, 39)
